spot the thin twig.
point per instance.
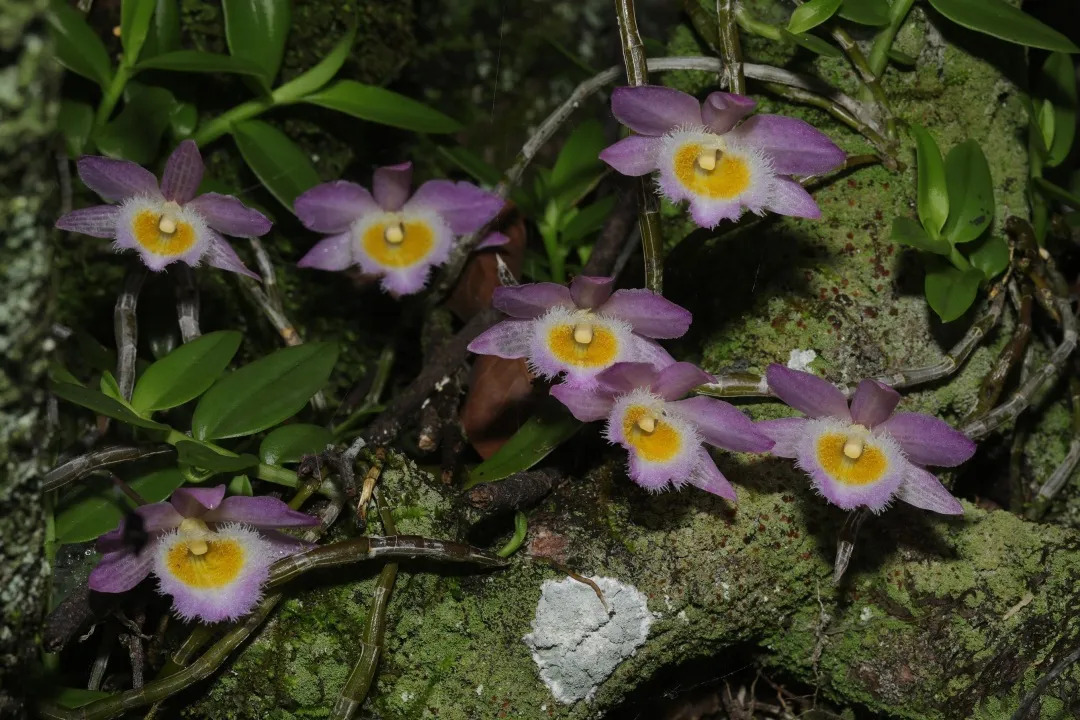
(845, 543)
(1044, 682)
(187, 302)
(993, 384)
(126, 328)
(730, 52)
(1068, 465)
(81, 466)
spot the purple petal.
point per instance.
(723, 425)
(183, 173)
(586, 406)
(708, 477)
(721, 111)
(643, 350)
(795, 147)
(787, 434)
(925, 491)
(653, 110)
(220, 254)
(633, 156)
(120, 571)
(330, 253)
(332, 207)
(623, 377)
(926, 440)
(260, 511)
(790, 198)
(156, 517)
(196, 502)
(116, 180)
(648, 313)
(406, 281)
(390, 185)
(806, 392)
(679, 378)
(508, 339)
(465, 207)
(710, 213)
(874, 495)
(228, 215)
(96, 221)
(531, 300)
(493, 240)
(873, 403)
(590, 292)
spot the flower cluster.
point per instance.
(704, 155)
(210, 552)
(164, 223)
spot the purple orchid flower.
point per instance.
(167, 223)
(210, 552)
(865, 455)
(663, 434)
(389, 233)
(720, 167)
(581, 330)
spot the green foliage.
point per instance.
(542, 433)
(137, 131)
(955, 207)
(376, 104)
(102, 404)
(135, 16)
(77, 46)
(865, 12)
(264, 393)
(196, 61)
(185, 373)
(72, 698)
(74, 121)
(319, 75)
(1056, 100)
(97, 506)
(256, 31)
(205, 458)
(1001, 20)
(277, 161)
(811, 14)
(812, 43)
(165, 31)
(289, 443)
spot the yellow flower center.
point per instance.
(652, 438)
(848, 459)
(709, 171)
(163, 234)
(200, 561)
(399, 244)
(583, 344)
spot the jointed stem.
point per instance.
(187, 302)
(81, 466)
(730, 51)
(126, 329)
(879, 53)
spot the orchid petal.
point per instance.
(590, 292)
(721, 111)
(723, 425)
(925, 491)
(508, 339)
(116, 180)
(330, 253)
(787, 435)
(790, 198)
(926, 440)
(261, 512)
(653, 110)
(120, 571)
(649, 314)
(96, 221)
(806, 392)
(795, 147)
(390, 186)
(183, 173)
(708, 477)
(873, 403)
(531, 300)
(586, 406)
(465, 207)
(677, 379)
(332, 207)
(220, 254)
(228, 215)
(196, 502)
(633, 156)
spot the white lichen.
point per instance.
(800, 359)
(576, 643)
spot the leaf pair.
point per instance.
(955, 203)
(815, 12)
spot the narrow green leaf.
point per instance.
(587, 220)
(165, 31)
(77, 46)
(196, 61)
(186, 372)
(950, 292)
(281, 166)
(1056, 192)
(103, 405)
(199, 456)
(906, 231)
(240, 485)
(902, 58)
(264, 393)
(811, 14)
(1001, 20)
(865, 12)
(577, 161)
(1045, 119)
(111, 388)
(137, 131)
(386, 107)
(74, 121)
(533, 441)
(471, 163)
(96, 508)
(812, 43)
(183, 119)
(1057, 85)
(322, 73)
(933, 193)
(72, 698)
(971, 193)
(289, 443)
(135, 17)
(256, 30)
(990, 255)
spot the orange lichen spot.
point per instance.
(399, 245)
(835, 452)
(712, 173)
(654, 439)
(206, 563)
(150, 229)
(583, 345)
